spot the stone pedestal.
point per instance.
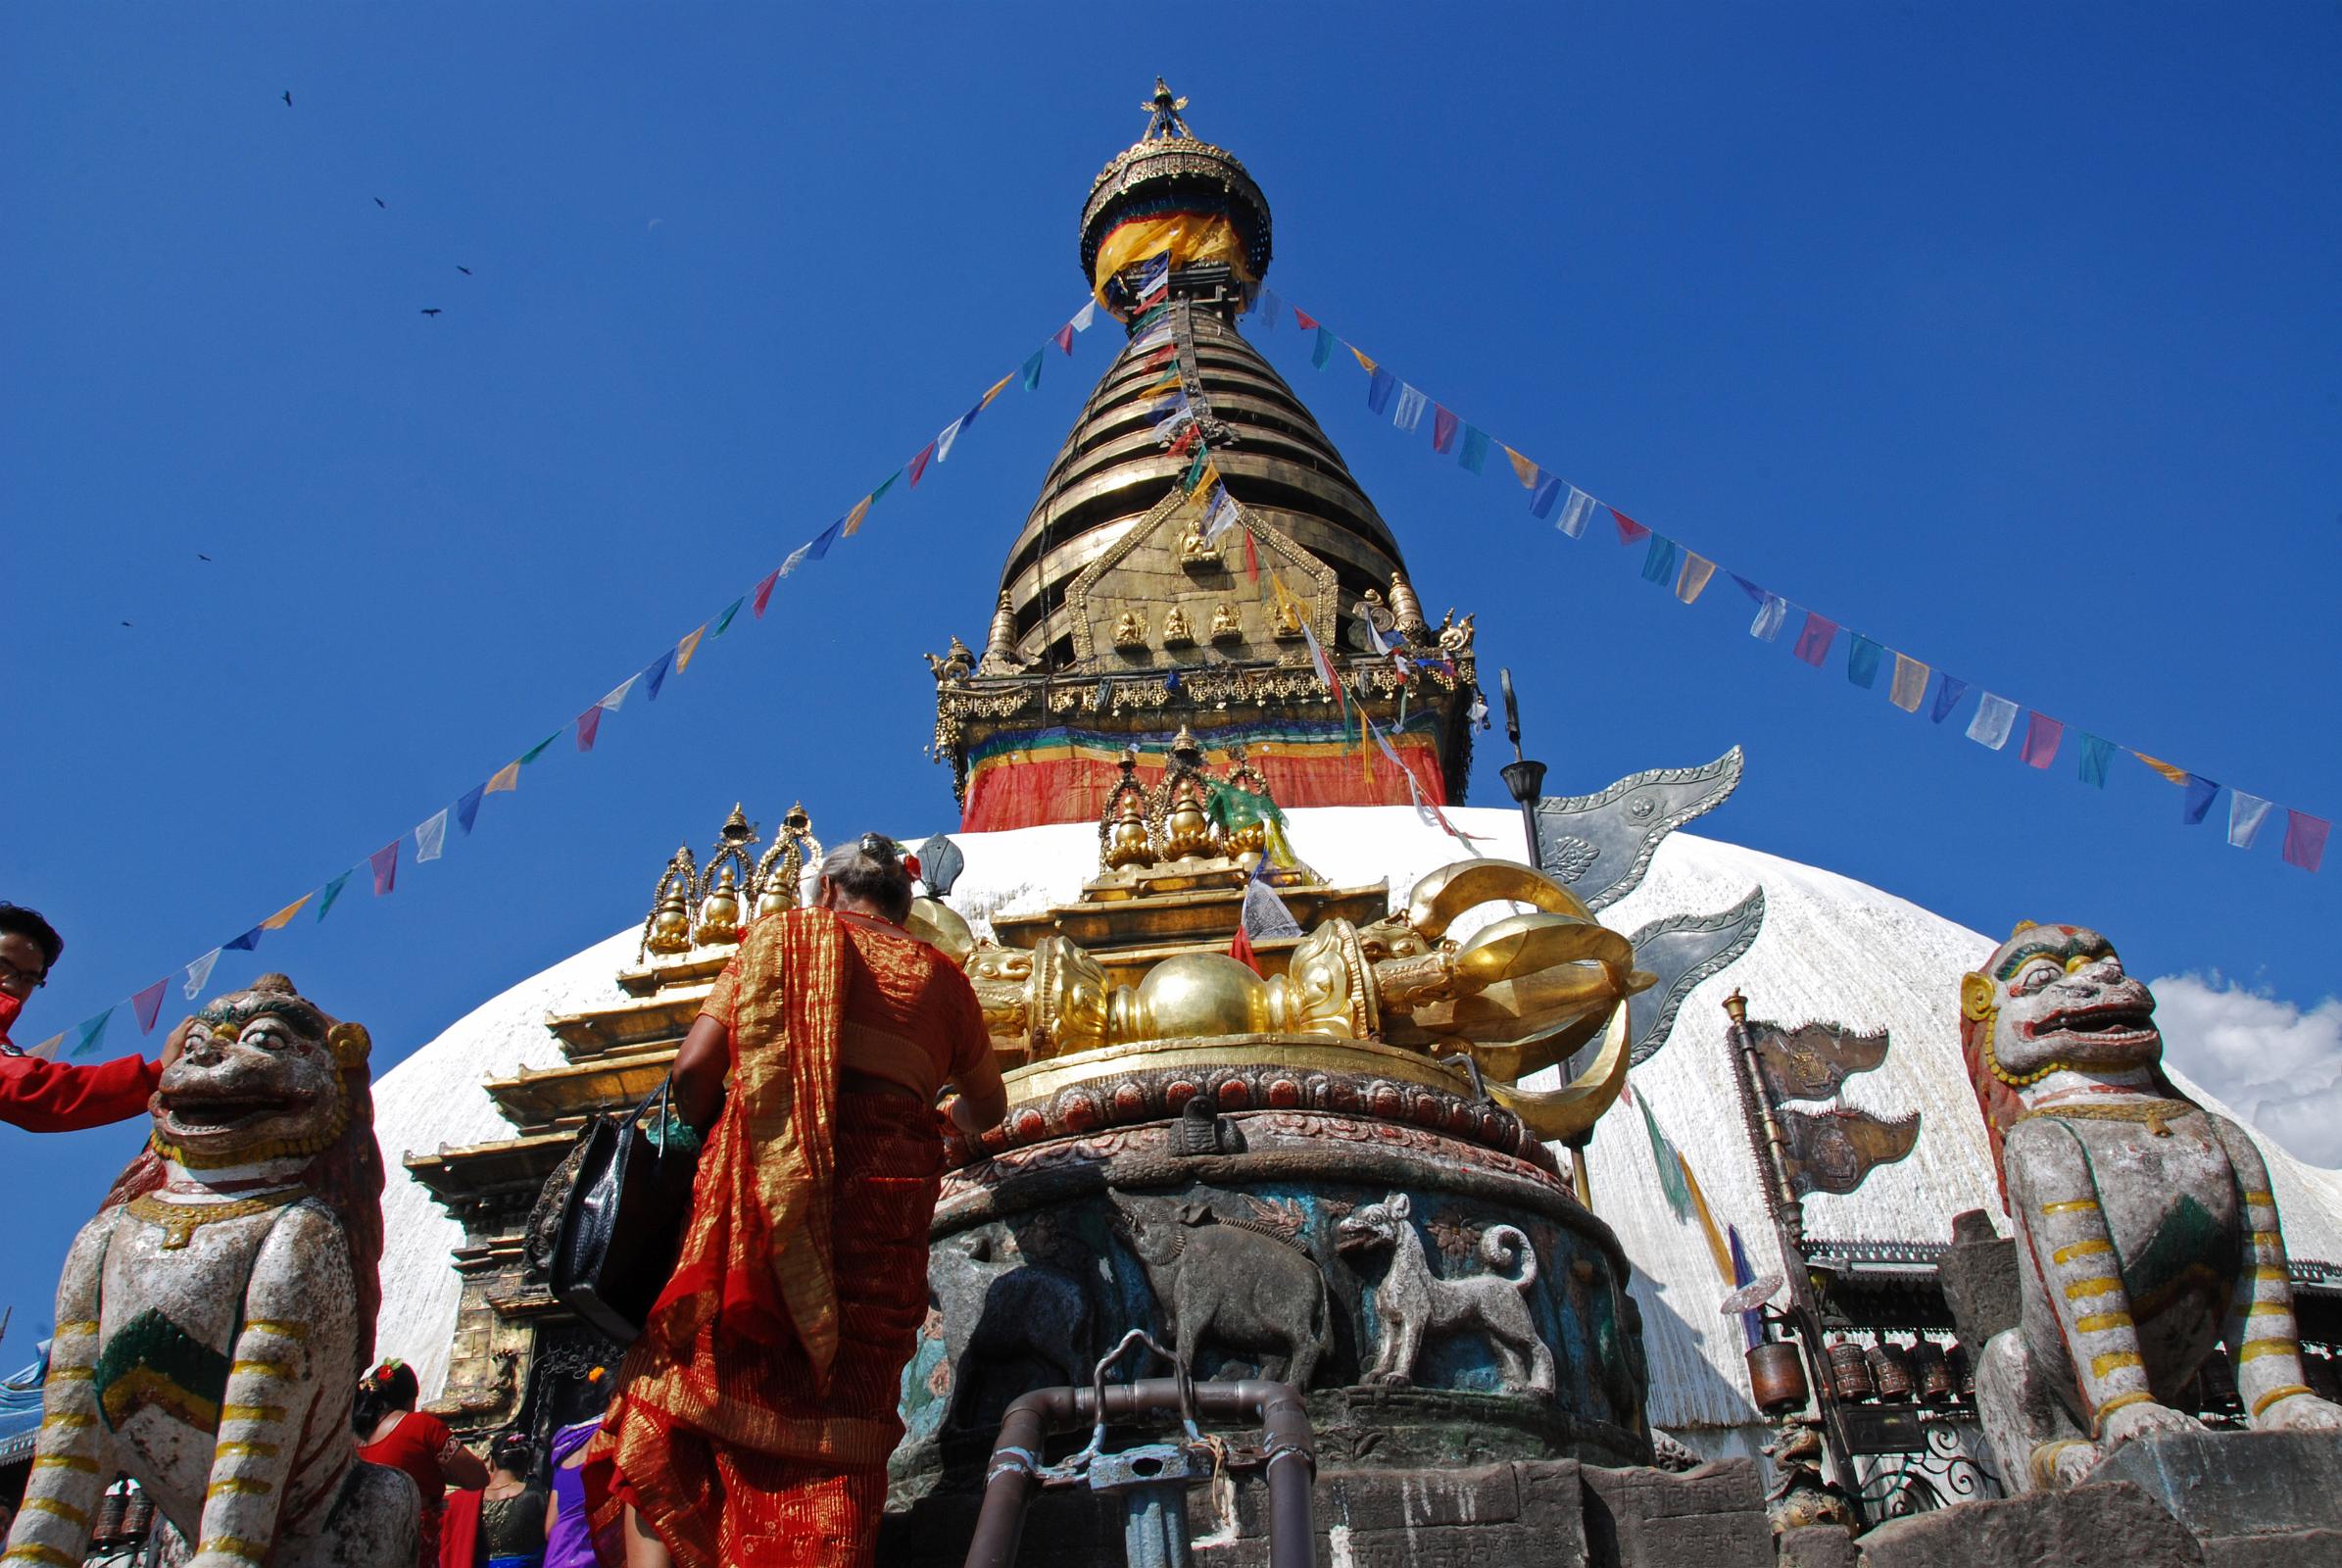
(2249, 1496)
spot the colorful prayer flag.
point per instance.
(1995, 717)
(615, 698)
(1813, 643)
(1251, 558)
(1032, 371)
(1443, 429)
(723, 622)
(763, 594)
(2041, 736)
(1303, 321)
(285, 916)
(688, 647)
(2201, 793)
(1863, 656)
(1063, 337)
(430, 836)
(385, 860)
(852, 523)
(654, 678)
(1408, 414)
(467, 809)
(249, 942)
(2246, 814)
(796, 558)
(1659, 561)
(1948, 692)
(2096, 753)
(1771, 612)
(2177, 775)
(1366, 365)
(918, 465)
(333, 890)
(1628, 530)
(1085, 316)
(1380, 384)
(91, 1032)
(1669, 1166)
(507, 780)
(199, 973)
(1266, 305)
(1697, 570)
(1546, 491)
(888, 483)
(943, 442)
(1324, 351)
(1475, 454)
(538, 750)
(1523, 468)
(148, 1004)
(1910, 684)
(2304, 839)
(827, 537)
(589, 725)
(1573, 515)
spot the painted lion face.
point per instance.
(258, 1076)
(2056, 996)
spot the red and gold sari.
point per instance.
(754, 1415)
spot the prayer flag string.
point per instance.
(1670, 563)
(428, 838)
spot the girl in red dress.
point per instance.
(393, 1434)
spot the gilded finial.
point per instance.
(1737, 1005)
(1163, 109)
(737, 828)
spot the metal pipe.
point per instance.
(1015, 1469)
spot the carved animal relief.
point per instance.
(1413, 1306)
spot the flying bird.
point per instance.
(200, 556)
(125, 623)
(379, 202)
(431, 310)
(461, 267)
(289, 98)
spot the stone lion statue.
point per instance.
(2146, 1232)
(213, 1319)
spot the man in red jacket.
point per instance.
(55, 1096)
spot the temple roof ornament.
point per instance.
(1164, 121)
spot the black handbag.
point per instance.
(623, 1223)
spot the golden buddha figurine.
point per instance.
(1285, 621)
(1225, 627)
(1194, 550)
(1177, 634)
(1129, 632)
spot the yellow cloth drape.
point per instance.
(1188, 237)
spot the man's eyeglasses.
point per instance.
(23, 982)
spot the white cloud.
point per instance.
(2276, 1064)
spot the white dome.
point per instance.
(1830, 949)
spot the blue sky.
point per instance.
(2008, 336)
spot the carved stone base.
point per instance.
(1439, 1303)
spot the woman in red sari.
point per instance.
(754, 1415)
(395, 1434)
